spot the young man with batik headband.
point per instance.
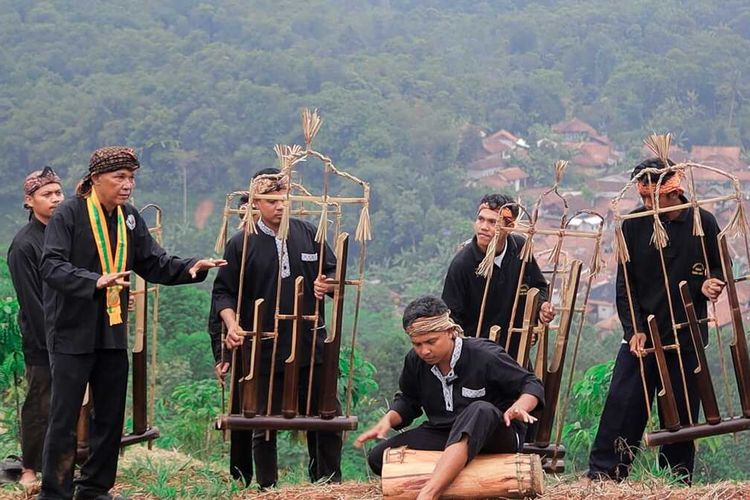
(476, 397)
(267, 256)
(463, 289)
(42, 194)
(92, 244)
(625, 412)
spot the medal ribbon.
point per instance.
(109, 265)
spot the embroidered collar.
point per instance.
(447, 380)
(267, 230)
(281, 249)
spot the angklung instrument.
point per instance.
(565, 292)
(674, 430)
(300, 201)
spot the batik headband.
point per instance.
(440, 323)
(38, 179)
(505, 212)
(672, 184)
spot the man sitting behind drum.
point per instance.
(476, 397)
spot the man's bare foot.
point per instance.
(28, 479)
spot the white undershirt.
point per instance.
(448, 389)
(501, 255)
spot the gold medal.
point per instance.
(113, 296)
(113, 305)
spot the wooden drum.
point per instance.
(514, 475)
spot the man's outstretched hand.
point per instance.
(379, 430)
(204, 264)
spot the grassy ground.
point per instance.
(161, 474)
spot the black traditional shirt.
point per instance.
(24, 255)
(463, 289)
(261, 277)
(76, 318)
(684, 260)
(483, 371)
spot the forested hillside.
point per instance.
(203, 90)
(208, 87)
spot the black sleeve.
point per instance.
(535, 279)
(511, 378)
(152, 263)
(455, 292)
(215, 327)
(711, 231)
(24, 272)
(56, 269)
(226, 285)
(621, 298)
(329, 264)
(406, 402)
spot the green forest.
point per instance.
(203, 91)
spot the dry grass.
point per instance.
(163, 474)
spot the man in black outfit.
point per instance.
(625, 412)
(267, 256)
(91, 245)
(42, 194)
(463, 288)
(476, 397)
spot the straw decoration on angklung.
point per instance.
(311, 123)
(364, 231)
(485, 267)
(221, 239)
(738, 222)
(659, 144)
(697, 224)
(560, 166)
(660, 239)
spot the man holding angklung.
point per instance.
(464, 290)
(625, 412)
(272, 262)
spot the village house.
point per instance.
(592, 151)
(494, 169)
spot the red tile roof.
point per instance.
(500, 141)
(493, 161)
(578, 126)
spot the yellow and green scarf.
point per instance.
(117, 264)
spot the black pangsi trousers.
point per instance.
(106, 371)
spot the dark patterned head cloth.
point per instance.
(38, 179)
(107, 159)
